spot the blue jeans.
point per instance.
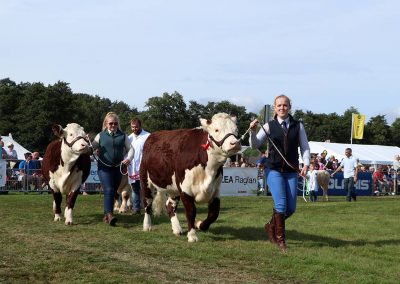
(283, 187)
(110, 179)
(136, 196)
(348, 184)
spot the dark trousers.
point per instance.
(349, 186)
(110, 179)
(313, 195)
(136, 196)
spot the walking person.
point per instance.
(349, 165)
(137, 139)
(111, 145)
(285, 134)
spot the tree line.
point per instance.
(28, 111)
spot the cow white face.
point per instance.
(223, 131)
(75, 137)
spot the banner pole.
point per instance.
(352, 125)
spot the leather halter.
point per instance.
(73, 141)
(219, 143)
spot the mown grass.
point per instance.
(329, 242)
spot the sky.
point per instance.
(327, 56)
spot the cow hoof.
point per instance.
(192, 237)
(57, 217)
(198, 224)
(147, 228)
(68, 223)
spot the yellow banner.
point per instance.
(358, 125)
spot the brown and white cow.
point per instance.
(123, 204)
(65, 166)
(186, 164)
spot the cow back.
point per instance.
(170, 152)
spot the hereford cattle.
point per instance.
(323, 178)
(65, 166)
(123, 204)
(186, 164)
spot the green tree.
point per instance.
(395, 132)
(378, 131)
(166, 113)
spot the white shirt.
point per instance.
(313, 183)
(349, 165)
(256, 140)
(137, 143)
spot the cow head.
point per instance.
(223, 131)
(73, 136)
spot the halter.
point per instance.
(219, 143)
(76, 139)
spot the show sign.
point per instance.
(93, 177)
(363, 186)
(239, 182)
(235, 182)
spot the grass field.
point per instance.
(329, 242)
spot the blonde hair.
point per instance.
(112, 115)
(283, 97)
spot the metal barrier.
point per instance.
(31, 180)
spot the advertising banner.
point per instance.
(363, 186)
(239, 182)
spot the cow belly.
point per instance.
(65, 182)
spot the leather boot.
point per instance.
(280, 231)
(270, 229)
(109, 219)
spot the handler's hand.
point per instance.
(126, 162)
(304, 170)
(253, 124)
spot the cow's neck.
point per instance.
(216, 159)
(68, 157)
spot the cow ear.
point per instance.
(205, 123)
(57, 130)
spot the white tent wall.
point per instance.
(17, 147)
(367, 154)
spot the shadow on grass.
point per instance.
(222, 233)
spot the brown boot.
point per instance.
(280, 231)
(270, 229)
(109, 219)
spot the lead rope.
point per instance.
(97, 158)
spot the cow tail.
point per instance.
(159, 203)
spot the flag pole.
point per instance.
(352, 125)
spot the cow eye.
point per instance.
(216, 130)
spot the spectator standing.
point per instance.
(287, 134)
(11, 153)
(111, 144)
(322, 160)
(312, 181)
(349, 165)
(137, 139)
(3, 154)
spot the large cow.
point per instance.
(65, 166)
(187, 164)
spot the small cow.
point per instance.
(187, 164)
(124, 204)
(65, 166)
(323, 178)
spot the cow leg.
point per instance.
(190, 209)
(213, 213)
(57, 198)
(325, 194)
(71, 199)
(125, 198)
(148, 201)
(172, 206)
